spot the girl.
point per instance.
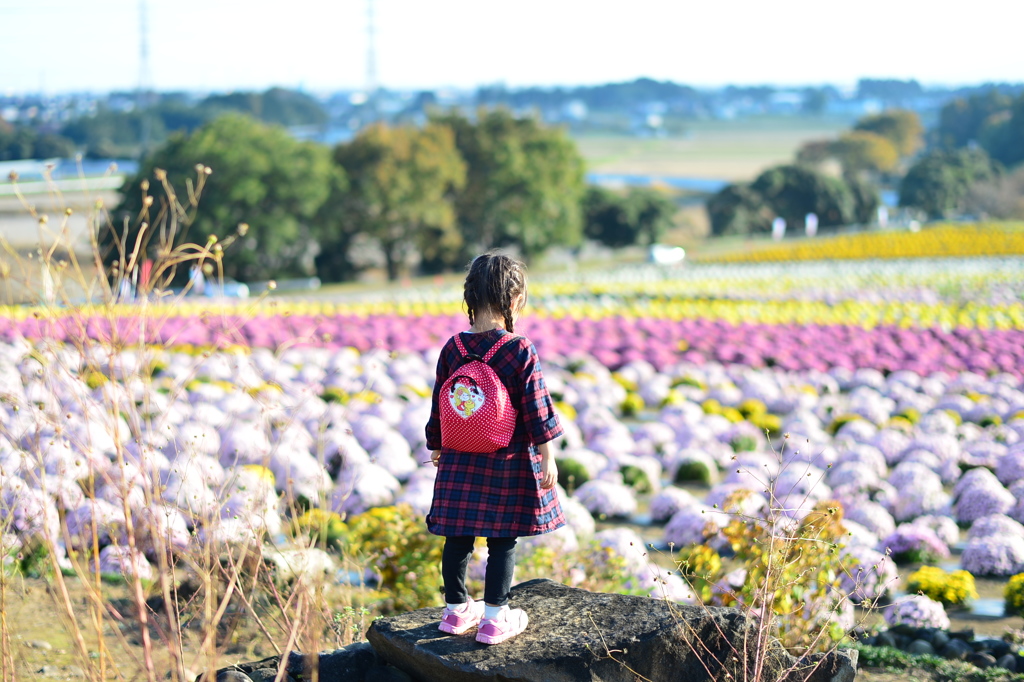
(499, 495)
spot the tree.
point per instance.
(792, 192)
(963, 120)
(400, 186)
(1003, 137)
(736, 209)
(524, 183)
(276, 105)
(860, 150)
(23, 142)
(900, 127)
(640, 216)
(261, 176)
(939, 182)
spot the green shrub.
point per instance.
(694, 470)
(636, 478)
(743, 444)
(571, 474)
(394, 542)
(632, 405)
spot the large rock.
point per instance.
(576, 636)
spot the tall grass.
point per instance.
(138, 596)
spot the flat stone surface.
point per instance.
(576, 635)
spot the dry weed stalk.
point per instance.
(183, 618)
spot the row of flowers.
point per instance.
(615, 341)
(226, 447)
(983, 239)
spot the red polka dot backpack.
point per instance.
(476, 412)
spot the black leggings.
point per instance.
(501, 560)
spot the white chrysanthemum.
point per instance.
(606, 498)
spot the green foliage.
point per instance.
(892, 659)
(1004, 136)
(1013, 593)
(277, 106)
(524, 183)
(261, 177)
(571, 474)
(790, 192)
(636, 478)
(694, 470)
(395, 543)
(902, 128)
(400, 186)
(736, 209)
(701, 567)
(794, 573)
(966, 119)
(591, 567)
(939, 182)
(794, 191)
(640, 216)
(743, 444)
(120, 134)
(951, 589)
(632, 405)
(24, 142)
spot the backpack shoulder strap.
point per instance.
(458, 344)
(505, 338)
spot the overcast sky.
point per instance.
(65, 45)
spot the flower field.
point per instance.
(690, 397)
(944, 241)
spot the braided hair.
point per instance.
(493, 282)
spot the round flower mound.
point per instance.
(872, 516)
(983, 499)
(911, 544)
(692, 525)
(606, 499)
(950, 589)
(668, 502)
(1010, 466)
(1013, 593)
(918, 612)
(994, 555)
(995, 525)
(944, 526)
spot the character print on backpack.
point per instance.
(478, 415)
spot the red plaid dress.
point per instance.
(497, 494)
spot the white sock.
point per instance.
(491, 612)
(455, 607)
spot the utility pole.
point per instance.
(142, 95)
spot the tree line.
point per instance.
(971, 163)
(426, 196)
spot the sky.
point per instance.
(56, 46)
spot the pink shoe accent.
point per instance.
(509, 623)
(465, 618)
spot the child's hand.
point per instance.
(548, 468)
(549, 472)
(435, 456)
